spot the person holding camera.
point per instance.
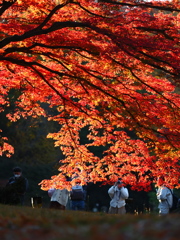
(164, 196)
(16, 188)
(118, 193)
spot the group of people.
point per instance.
(59, 198)
(118, 194)
(14, 191)
(77, 196)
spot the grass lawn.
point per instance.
(27, 223)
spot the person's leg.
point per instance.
(55, 205)
(62, 207)
(163, 211)
(113, 210)
(122, 210)
(74, 205)
(21, 197)
(52, 205)
(80, 205)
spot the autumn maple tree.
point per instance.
(112, 67)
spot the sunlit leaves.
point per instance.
(112, 68)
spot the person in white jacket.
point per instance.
(164, 197)
(59, 198)
(118, 193)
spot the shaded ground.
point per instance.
(43, 224)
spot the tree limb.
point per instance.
(5, 5)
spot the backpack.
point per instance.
(176, 202)
(77, 193)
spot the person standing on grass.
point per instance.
(59, 198)
(78, 196)
(118, 193)
(164, 197)
(16, 188)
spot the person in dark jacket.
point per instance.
(15, 188)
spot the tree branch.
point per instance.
(26, 49)
(37, 31)
(143, 5)
(5, 5)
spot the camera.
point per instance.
(118, 182)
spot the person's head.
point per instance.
(17, 171)
(119, 183)
(78, 182)
(160, 180)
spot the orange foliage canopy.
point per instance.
(110, 66)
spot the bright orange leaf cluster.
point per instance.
(110, 66)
